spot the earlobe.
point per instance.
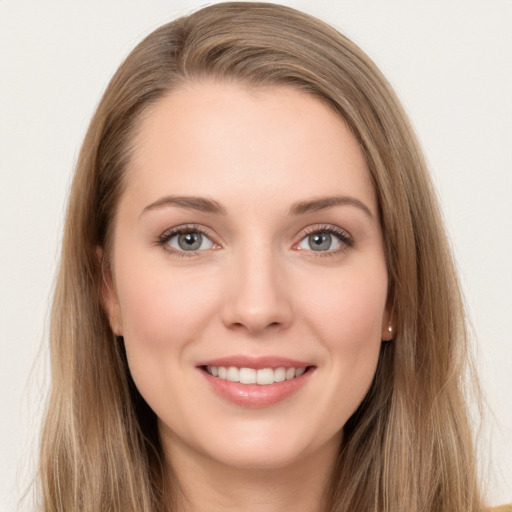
(109, 298)
(388, 331)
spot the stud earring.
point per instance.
(390, 335)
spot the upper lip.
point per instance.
(256, 362)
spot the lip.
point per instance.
(253, 395)
(256, 362)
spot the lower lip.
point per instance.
(255, 395)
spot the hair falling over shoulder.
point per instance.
(409, 445)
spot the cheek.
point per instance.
(348, 321)
(162, 316)
(349, 308)
(347, 318)
(163, 308)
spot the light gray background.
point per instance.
(451, 64)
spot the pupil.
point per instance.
(190, 241)
(320, 241)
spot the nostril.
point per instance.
(254, 326)
(237, 325)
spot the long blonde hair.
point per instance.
(409, 446)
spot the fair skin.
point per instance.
(276, 261)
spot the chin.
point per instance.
(258, 457)
(269, 446)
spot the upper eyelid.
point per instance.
(170, 233)
(183, 228)
(344, 237)
(209, 232)
(313, 228)
(318, 228)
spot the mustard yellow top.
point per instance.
(503, 508)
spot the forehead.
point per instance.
(230, 141)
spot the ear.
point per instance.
(109, 298)
(388, 331)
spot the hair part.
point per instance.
(409, 445)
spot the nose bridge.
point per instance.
(257, 297)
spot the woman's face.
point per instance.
(247, 247)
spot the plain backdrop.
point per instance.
(451, 64)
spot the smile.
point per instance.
(261, 376)
(256, 381)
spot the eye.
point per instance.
(325, 239)
(186, 239)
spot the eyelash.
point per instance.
(343, 236)
(164, 238)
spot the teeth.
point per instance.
(263, 377)
(247, 376)
(279, 374)
(233, 374)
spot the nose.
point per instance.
(257, 295)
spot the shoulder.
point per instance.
(503, 508)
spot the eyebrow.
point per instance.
(200, 204)
(203, 204)
(323, 203)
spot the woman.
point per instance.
(257, 307)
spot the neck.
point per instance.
(200, 484)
